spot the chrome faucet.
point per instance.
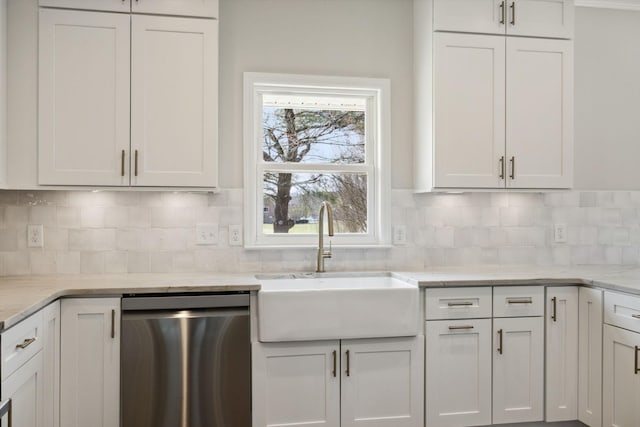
(322, 254)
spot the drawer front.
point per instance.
(19, 344)
(458, 303)
(622, 310)
(518, 301)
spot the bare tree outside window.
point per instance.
(313, 136)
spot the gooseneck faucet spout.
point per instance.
(322, 254)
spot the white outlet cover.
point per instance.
(207, 234)
(560, 233)
(399, 234)
(235, 235)
(35, 236)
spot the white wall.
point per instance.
(607, 99)
(364, 38)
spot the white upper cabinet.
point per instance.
(469, 113)
(174, 93)
(540, 18)
(104, 5)
(473, 16)
(83, 98)
(539, 113)
(534, 18)
(199, 8)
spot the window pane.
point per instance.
(292, 202)
(305, 134)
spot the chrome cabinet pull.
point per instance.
(122, 164)
(335, 363)
(348, 370)
(636, 316)
(461, 327)
(113, 323)
(635, 361)
(500, 341)
(136, 164)
(502, 13)
(502, 162)
(6, 409)
(513, 167)
(554, 316)
(26, 343)
(513, 13)
(519, 301)
(460, 304)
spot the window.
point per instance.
(310, 139)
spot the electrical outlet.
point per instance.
(560, 233)
(35, 236)
(207, 234)
(399, 234)
(235, 235)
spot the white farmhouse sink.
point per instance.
(301, 308)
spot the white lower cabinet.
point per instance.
(90, 362)
(518, 370)
(369, 382)
(590, 357)
(621, 378)
(458, 372)
(561, 387)
(25, 389)
(51, 364)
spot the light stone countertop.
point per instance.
(618, 278)
(21, 296)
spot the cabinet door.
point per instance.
(469, 110)
(518, 370)
(24, 388)
(383, 382)
(621, 378)
(539, 113)
(83, 98)
(90, 362)
(590, 357)
(562, 354)
(104, 5)
(296, 384)
(541, 18)
(51, 367)
(201, 8)
(458, 367)
(174, 100)
(473, 16)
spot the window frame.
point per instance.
(376, 166)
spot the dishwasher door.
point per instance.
(183, 365)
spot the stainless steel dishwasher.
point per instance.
(186, 361)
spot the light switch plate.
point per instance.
(207, 234)
(399, 234)
(560, 233)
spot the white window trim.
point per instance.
(378, 161)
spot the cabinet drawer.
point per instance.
(458, 303)
(518, 301)
(20, 343)
(622, 310)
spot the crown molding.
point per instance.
(611, 4)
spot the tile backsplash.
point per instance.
(118, 232)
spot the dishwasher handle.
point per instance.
(5, 409)
(185, 302)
